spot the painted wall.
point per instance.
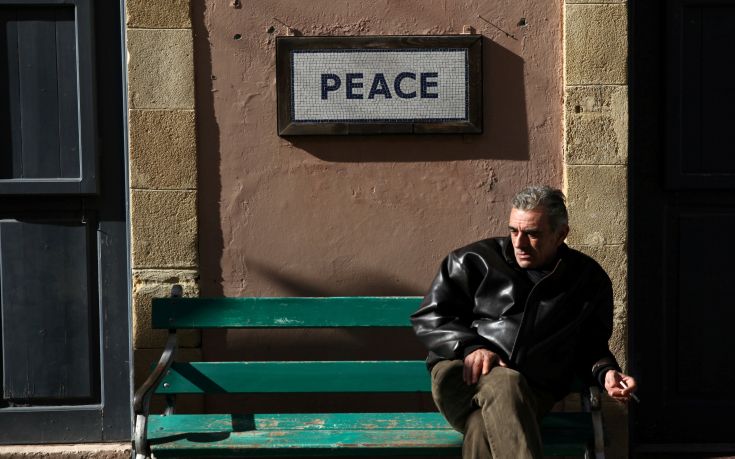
(362, 215)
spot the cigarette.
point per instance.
(632, 395)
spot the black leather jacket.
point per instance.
(551, 331)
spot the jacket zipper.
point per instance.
(525, 312)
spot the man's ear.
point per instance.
(563, 232)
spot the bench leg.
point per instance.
(590, 453)
(592, 402)
(140, 446)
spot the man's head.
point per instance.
(538, 225)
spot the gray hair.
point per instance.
(550, 199)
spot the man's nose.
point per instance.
(521, 240)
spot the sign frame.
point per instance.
(288, 126)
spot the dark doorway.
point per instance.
(682, 207)
(64, 271)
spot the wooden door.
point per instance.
(682, 214)
(64, 282)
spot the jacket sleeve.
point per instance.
(596, 357)
(443, 321)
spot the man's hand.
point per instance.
(615, 389)
(478, 363)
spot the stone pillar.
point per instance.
(163, 167)
(596, 157)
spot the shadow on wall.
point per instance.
(210, 185)
(505, 132)
(318, 344)
(365, 283)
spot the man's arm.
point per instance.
(619, 385)
(442, 323)
(605, 368)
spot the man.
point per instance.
(510, 322)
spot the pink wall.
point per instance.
(315, 216)
(362, 215)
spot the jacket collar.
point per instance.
(510, 257)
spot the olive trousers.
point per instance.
(499, 416)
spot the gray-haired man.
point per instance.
(510, 322)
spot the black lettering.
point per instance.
(397, 85)
(426, 84)
(379, 86)
(352, 84)
(327, 86)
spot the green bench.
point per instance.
(309, 434)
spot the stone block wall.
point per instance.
(163, 167)
(596, 158)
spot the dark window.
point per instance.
(46, 93)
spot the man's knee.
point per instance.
(446, 379)
(504, 383)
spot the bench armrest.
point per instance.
(142, 397)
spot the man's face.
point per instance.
(534, 243)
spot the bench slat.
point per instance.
(317, 376)
(283, 312)
(161, 425)
(336, 434)
(322, 443)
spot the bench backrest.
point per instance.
(327, 312)
(290, 376)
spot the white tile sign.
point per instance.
(381, 85)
